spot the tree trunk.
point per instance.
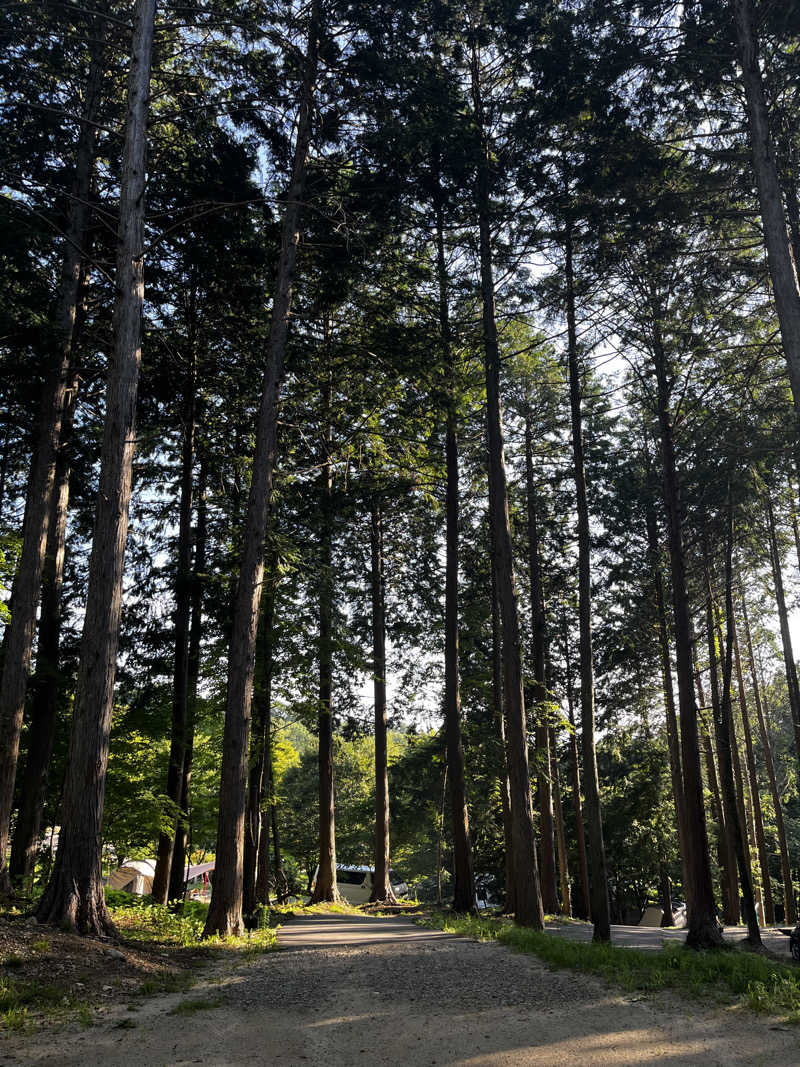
(47, 681)
(40, 500)
(262, 697)
(526, 873)
(325, 888)
(780, 826)
(780, 260)
(583, 863)
(790, 666)
(725, 858)
(726, 740)
(381, 881)
(673, 741)
(463, 872)
(225, 910)
(727, 827)
(281, 884)
(183, 614)
(75, 894)
(561, 840)
(601, 915)
(665, 892)
(509, 906)
(439, 840)
(539, 689)
(180, 853)
(703, 928)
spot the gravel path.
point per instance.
(382, 991)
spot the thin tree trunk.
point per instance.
(281, 884)
(780, 260)
(463, 872)
(40, 500)
(665, 892)
(262, 697)
(601, 915)
(497, 712)
(180, 854)
(47, 681)
(75, 894)
(777, 803)
(225, 910)
(544, 791)
(673, 739)
(703, 928)
(183, 614)
(528, 895)
(790, 666)
(381, 882)
(725, 858)
(439, 840)
(561, 839)
(733, 914)
(726, 740)
(325, 888)
(580, 834)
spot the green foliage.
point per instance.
(140, 919)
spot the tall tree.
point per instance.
(527, 893)
(39, 505)
(75, 893)
(225, 910)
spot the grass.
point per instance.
(140, 919)
(732, 976)
(18, 998)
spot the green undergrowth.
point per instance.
(732, 976)
(19, 999)
(140, 919)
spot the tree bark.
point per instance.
(75, 894)
(497, 712)
(727, 826)
(725, 858)
(777, 803)
(673, 741)
(381, 881)
(47, 681)
(528, 898)
(780, 259)
(583, 864)
(561, 839)
(40, 501)
(225, 910)
(180, 851)
(790, 666)
(703, 928)
(183, 614)
(262, 697)
(601, 915)
(726, 740)
(544, 791)
(463, 872)
(325, 888)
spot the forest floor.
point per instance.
(347, 989)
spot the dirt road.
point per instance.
(383, 991)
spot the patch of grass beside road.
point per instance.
(733, 976)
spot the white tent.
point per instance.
(134, 876)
